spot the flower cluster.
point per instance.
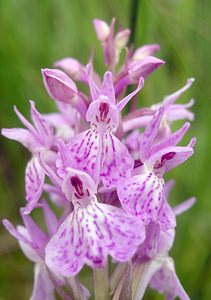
(105, 170)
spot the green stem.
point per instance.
(101, 284)
(133, 19)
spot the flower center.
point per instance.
(104, 110)
(78, 185)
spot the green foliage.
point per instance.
(36, 33)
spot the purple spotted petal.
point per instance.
(89, 235)
(117, 162)
(142, 196)
(166, 281)
(86, 150)
(34, 180)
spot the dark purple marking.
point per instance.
(78, 185)
(104, 110)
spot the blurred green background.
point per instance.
(33, 34)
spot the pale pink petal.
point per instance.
(24, 121)
(102, 29)
(55, 195)
(20, 237)
(170, 99)
(50, 218)
(44, 129)
(108, 87)
(29, 252)
(143, 68)
(22, 136)
(125, 100)
(142, 196)
(149, 135)
(34, 232)
(117, 162)
(43, 288)
(168, 187)
(144, 51)
(61, 87)
(94, 89)
(171, 140)
(184, 206)
(34, 180)
(166, 281)
(72, 67)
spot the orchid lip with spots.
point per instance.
(98, 175)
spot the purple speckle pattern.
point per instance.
(117, 164)
(92, 233)
(34, 181)
(142, 196)
(85, 152)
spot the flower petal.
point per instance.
(143, 68)
(117, 162)
(65, 250)
(170, 157)
(90, 234)
(34, 180)
(184, 206)
(108, 87)
(94, 89)
(150, 134)
(61, 87)
(45, 131)
(166, 281)
(72, 67)
(50, 218)
(173, 97)
(142, 196)
(43, 287)
(147, 50)
(171, 140)
(125, 100)
(86, 151)
(22, 136)
(19, 236)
